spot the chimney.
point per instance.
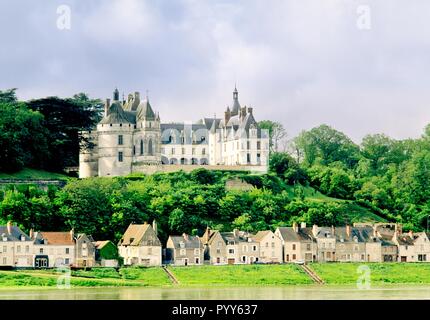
(9, 227)
(235, 233)
(411, 234)
(227, 115)
(155, 227)
(302, 225)
(185, 236)
(242, 113)
(107, 105)
(31, 233)
(137, 95)
(315, 230)
(250, 110)
(348, 230)
(72, 234)
(332, 230)
(295, 227)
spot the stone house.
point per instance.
(350, 244)
(184, 250)
(215, 248)
(405, 243)
(85, 251)
(422, 246)
(15, 247)
(270, 247)
(385, 233)
(140, 246)
(326, 243)
(298, 243)
(53, 249)
(241, 247)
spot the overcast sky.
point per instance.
(300, 62)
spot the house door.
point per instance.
(231, 261)
(403, 259)
(288, 257)
(186, 262)
(218, 260)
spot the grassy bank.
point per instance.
(380, 273)
(238, 275)
(28, 173)
(246, 275)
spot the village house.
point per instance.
(53, 249)
(241, 247)
(350, 244)
(15, 247)
(106, 254)
(140, 245)
(184, 250)
(326, 243)
(405, 243)
(215, 248)
(85, 251)
(270, 247)
(422, 246)
(298, 243)
(385, 233)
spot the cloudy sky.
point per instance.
(361, 67)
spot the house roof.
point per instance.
(101, 244)
(240, 236)
(261, 234)
(57, 238)
(135, 234)
(289, 235)
(15, 235)
(189, 242)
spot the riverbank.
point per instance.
(334, 274)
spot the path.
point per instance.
(312, 274)
(170, 275)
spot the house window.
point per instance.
(4, 261)
(294, 246)
(254, 248)
(18, 249)
(149, 250)
(120, 156)
(4, 249)
(258, 145)
(273, 244)
(308, 247)
(67, 250)
(219, 244)
(182, 245)
(66, 261)
(182, 252)
(203, 151)
(294, 257)
(27, 249)
(231, 251)
(218, 251)
(41, 250)
(120, 140)
(196, 252)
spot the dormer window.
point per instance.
(182, 245)
(22, 238)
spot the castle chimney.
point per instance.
(348, 230)
(227, 115)
(107, 105)
(250, 110)
(9, 227)
(295, 227)
(155, 227)
(315, 230)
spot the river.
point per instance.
(222, 293)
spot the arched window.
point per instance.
(141, 147)
(150, 151)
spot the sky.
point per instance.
(362, 67)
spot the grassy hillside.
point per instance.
(32, 174)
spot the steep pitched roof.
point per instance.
(117, 115)
(139, 234)
(261, 234)
(101, 244)
(15, 235)
(144, 110)
(289, 235)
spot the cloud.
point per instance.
(302, 63)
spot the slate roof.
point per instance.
(15, 234)
(144, 110)
(101, 244)
(190, 242)
(117, 115)
(289, 235)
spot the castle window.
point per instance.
(134, 150)
(203, 139)
(183, 150)
(141, 147)
(258, 158)
(170, 138)
(258, 145)
(193, 151)
(248, 145)
(248, 158)
(150, 151)
(203, 151)
(120, 156)
(120, 140)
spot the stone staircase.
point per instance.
(312, 274)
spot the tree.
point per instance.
(8, 96)
(327, 145)
(276, 133)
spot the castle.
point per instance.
(130, 138)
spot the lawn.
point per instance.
(33, 174)
(146, 276)
(380, 273)
(241, 275)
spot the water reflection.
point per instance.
(215, 293)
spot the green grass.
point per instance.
(98, 273)
(380, 273)
(146, 276)
(32, 174)
(240, 275)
